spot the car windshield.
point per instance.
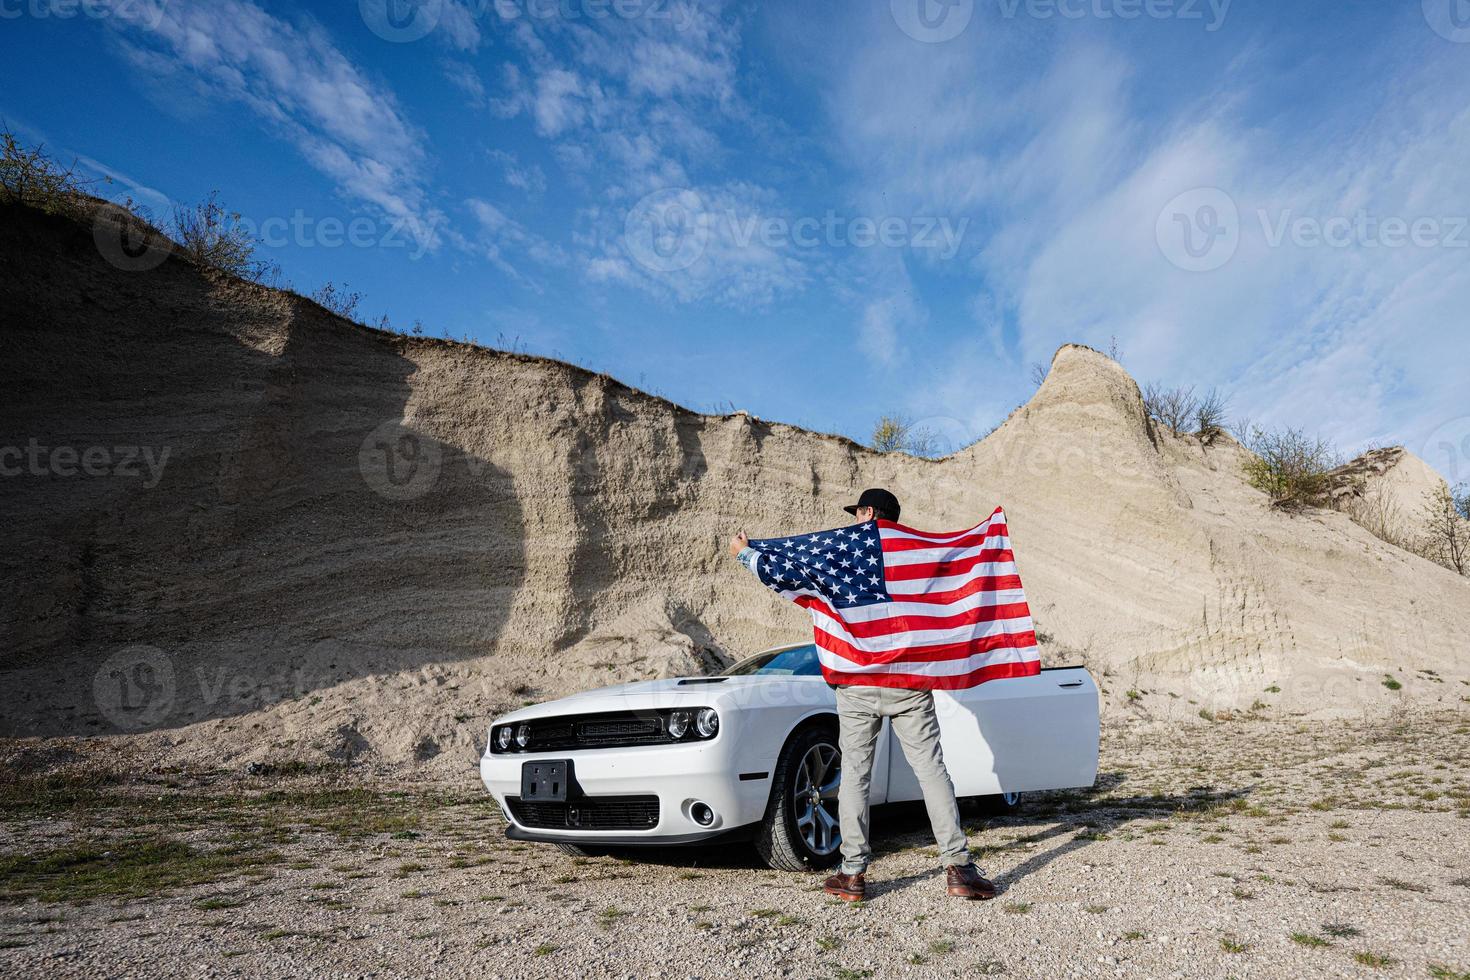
(795, 662)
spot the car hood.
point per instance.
(670, 692)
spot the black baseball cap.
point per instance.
(885, 503)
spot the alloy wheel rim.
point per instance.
(814, 794)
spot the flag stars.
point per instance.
(831, 565)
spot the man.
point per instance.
(861, 709)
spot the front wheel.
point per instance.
(800, 832)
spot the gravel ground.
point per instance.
(1249, 847)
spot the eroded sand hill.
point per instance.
(360, 544)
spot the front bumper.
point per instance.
(735, 835)
(678, 775)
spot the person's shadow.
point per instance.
(1082, 817)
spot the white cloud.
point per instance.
(464, 77)
(630, 106)
(716, 251)
(529, 180)
(298, 83)
(1068, 169)
(559, 102)
(1307, 333)
(457, 21)
(883, 324)
(504, 241)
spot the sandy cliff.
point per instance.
(359, 544)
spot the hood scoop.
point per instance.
(703, 680)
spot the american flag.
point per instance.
(892, 606)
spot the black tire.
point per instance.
(998, 805)
(781, 843)
(579, 851)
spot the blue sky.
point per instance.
(819, 212)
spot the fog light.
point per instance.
(702, 814)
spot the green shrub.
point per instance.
(896, 434)
(1447, 535)
(1290, 467)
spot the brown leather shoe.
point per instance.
(965, 881)
(849, 888)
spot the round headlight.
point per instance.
(502, 738)
(707, 723)
(523, 735)
(678, 724)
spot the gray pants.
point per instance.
(860, 712)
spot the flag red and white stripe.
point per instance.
(951, 612)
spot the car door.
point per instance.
(1011, 735)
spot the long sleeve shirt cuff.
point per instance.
(749, 557)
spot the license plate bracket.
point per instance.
(546, 780)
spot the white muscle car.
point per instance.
(752, 755)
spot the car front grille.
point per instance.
(600, 731)
(588, 813)
(620, 732)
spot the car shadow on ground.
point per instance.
(1073, 818)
